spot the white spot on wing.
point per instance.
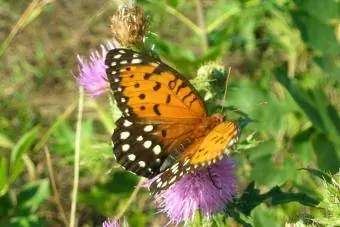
(125, 147)
(123, 62)
(139, 138)
(141, 163)
(132, 157)
(226, 151)
(174, 166)
(117, 56)
(147, 144)
(231, 143)
(122, 51)
(157, 150)
(124, 135)
(127, 123)
(136, 61)
(164, 184)
(172, 179)
(148, 128)
(186, 162)
(113, 63)
(174, 170)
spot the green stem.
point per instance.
(77, 157)
(180, 17)
(201, 22)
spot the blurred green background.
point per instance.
(285, 75)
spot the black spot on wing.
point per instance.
(168, 99)
(156, 110)
(183, 85)
(157, 86)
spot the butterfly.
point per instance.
(164, 126)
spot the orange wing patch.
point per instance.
(215, 144)
(150, 89)
(202, 152)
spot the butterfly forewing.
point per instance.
(150, 89)
(160, 110)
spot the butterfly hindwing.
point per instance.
(135, 147)
(204, 152)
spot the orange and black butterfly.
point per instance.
(164, 128)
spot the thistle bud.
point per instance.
(129, 24)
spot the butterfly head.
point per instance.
(218, 118)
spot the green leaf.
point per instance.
(3, 175)
(251, 198)
(302, 146)
(5, 142)
(268, 173)
(327, 158)
(7, 207)
(263, 216)
(174, 3)
(316, 106)
(331, 65)
(32, 220)
(20, 148)
(319, 173)
(32, 195)
(330, 8)
(318, 35)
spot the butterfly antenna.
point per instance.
(212, 179)
(225, 90)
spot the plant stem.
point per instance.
(77, 157)
(54, 186)
(180, 17)
(201, 23)
(56, 124)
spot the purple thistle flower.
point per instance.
(92, 76)
(203, 191)
(114, 223)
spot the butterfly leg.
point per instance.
(212, 179)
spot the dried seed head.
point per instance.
(129, 24)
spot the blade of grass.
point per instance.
(131, 199)
(54, 186)
(32, 11)
(60, 119)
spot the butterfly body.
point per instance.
(165, 127)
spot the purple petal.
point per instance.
(203, 191)
(92, 75)
(114, 223)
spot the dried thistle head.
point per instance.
(129, 24)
